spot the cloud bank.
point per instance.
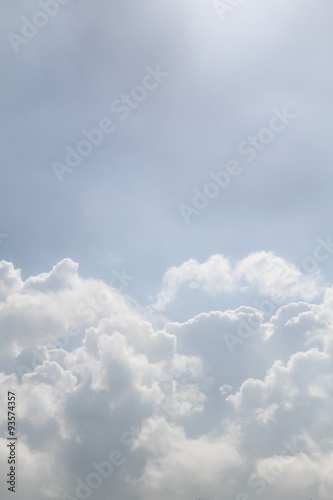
(265, 272)
(110, 406)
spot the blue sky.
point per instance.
(180, 90)
(225, 80)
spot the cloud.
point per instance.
(182, 414)
(187, 466)
(10, 279)
(62, 275)
(264, 272)
(213, 276)
(273, 276)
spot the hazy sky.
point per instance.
(166, 186)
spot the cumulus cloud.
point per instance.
(213, 276)
(109, 404)
(10, 279)
(265, 272)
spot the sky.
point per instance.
(166, 248)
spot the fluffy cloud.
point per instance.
(110, 404)
(269, 274)
(10, 279)
(213, 276)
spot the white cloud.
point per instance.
(189, 418)
(213, 276)
(10, 279)
(263, 272)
